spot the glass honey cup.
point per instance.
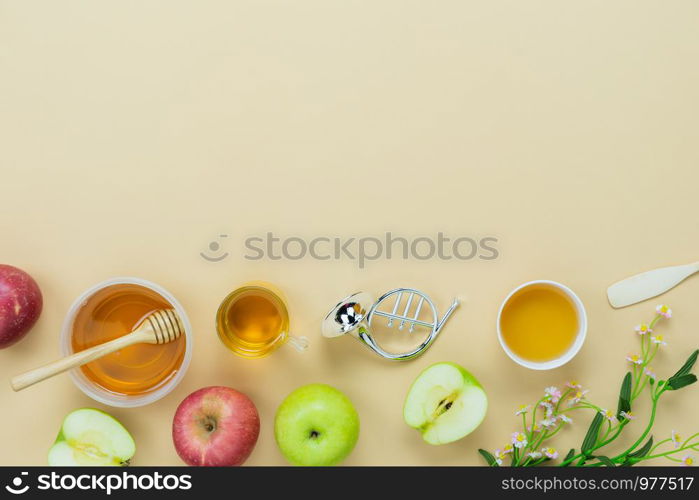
(253, 321)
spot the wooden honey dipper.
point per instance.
(160, 327)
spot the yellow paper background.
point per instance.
(134, 132)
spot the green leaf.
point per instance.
(676, 382)
(488, 457)
(625, 395)
(683, 377)
(605, 460)
(634, 457)
(688, 365)
(643, 451)
(592, 433)
(568, 456)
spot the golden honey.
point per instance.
(539, 323)
(115, 311)
(253, 321)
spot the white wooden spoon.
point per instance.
(649, 284)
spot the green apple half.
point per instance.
(445, 403)
(92, 437)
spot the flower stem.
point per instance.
(658, 444)
(645, 432)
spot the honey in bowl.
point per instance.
(115, 311)
(539, 323)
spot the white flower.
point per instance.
(664, 311)
(658, 339)
(628, 415)
(519, 440)
(499, 455)
(574, 384)
(565, 418)
(609, 415)
(507, 449)
(676, 438)
(642, 329)
(550, 452)
(522, 409)
(547, 423)
(553, 394)
(548, 408)
(534, 454)
(688, 461)
(577, 397)
(634, 358)
(649, 373)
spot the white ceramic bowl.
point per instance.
(101, 395)
(579, 338)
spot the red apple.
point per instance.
(215, 426)
(20, 304)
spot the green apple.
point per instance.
(92, 437)
(316, 425)
(445, 403)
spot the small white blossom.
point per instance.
(664, 311)
(676, 438)
(522, 409)
(642, 329)
(519, 440)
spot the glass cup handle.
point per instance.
(299, 343)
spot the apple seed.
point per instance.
(209, 424)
